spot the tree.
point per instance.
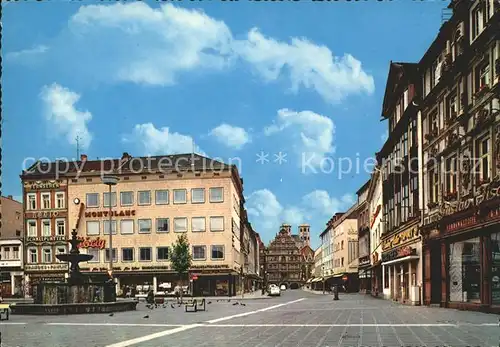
(180, 258)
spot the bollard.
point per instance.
(335, 293)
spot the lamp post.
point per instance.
(110, 181)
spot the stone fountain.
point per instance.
(77, 294)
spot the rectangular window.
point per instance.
(404, 144)
(161, 197)
(198, 224)
(216, 223)
(106, 255)
(15, 252)
(162, 253)
(127, 254)
(405, 99)
(126, 226)
(144, 226)
(61, 227)
(483, 155)
(127, 198)
(199, 252)
(483, 76)
(162, 225)
(145, 254)
(197, 195)
(180, 196)
(47, 255)
(6, 253)
(405, 204)
(477, 21)
(46, 228)
(31, 201)
(92, 200)
(216, 194)
(31, 226)
(93, 228)
(106, 227)
(60, 203)
(33, 255)
(451, 175)
(217, 252)
(386, 277)
(180, 225)
(144, 197)
(105, 199)
(96, 253)
(46, 201)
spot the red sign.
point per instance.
(194, 278)
(345, 277)
(124, 213)
(87, 242)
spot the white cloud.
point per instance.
(311, 133)
(27, 53)
(308, 65)
(315, 208)
(133, 42)
(384, 136)
(63, 117)
(231, 136)
(155, 141)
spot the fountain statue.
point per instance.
(77, 294)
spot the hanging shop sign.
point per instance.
(400, 238)
(98, 214)
(87, 242)
(43, 185)
(45, 267)
(398, 253)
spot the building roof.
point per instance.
(125, 165)
(363, 187)
(395, 77)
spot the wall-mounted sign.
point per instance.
(98, 214)
(398, 253)
(45, 267)
(44, 185)
(364, 260)
(375, 257)
(46, 239)
(87, 242)
(471, 221)
(220, 266)
(399, 238)
(44, 214)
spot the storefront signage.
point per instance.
(485, 192)
(96, 214)
(165, 267)
(374, 217)
(345, 278)
(399, 238)
(45, 267)
(42, 214)
(87, 242)
(364, 261)
(220, 266)
(44, 185)
(46, 238)
(398, 253)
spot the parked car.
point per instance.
(274, 291)
(283, 287)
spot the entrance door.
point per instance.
(435, 273)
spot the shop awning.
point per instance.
(316, 280)
(309, 280)
(407, 258)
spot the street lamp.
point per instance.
(110, 181)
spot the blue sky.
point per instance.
(304, 79)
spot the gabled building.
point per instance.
(461, 171)
(400, 161)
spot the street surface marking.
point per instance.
(253, 312)
(117, 324)
(333, 325)
(12, 323)
(153, 336)
(192, 326)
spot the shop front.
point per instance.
(376, 269)
(401, 266)
(466, 250)
(365, 275)
(37, 273)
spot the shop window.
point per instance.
(386, 277)
(464, 271)
(495, 268)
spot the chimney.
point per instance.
(83, 157)
(9, 197)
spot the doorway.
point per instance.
(435, 273)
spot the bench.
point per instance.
(192, 304)
(4, 311)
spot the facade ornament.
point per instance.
(465, 174)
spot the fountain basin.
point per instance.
(77, 258)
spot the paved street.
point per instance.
(297, 318)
